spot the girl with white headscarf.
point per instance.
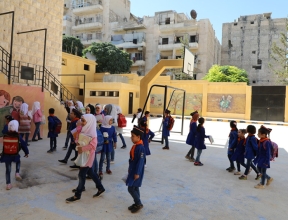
(120, 130)
(98, 114)
(24, 123)
(80, 107)
(37, 119)
(13, 127)
(110, 140)
(89, 129)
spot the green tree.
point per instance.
(109, 58)
(72, 45)
(279, 56)
(226, 74)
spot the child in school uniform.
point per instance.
(110, 140)
(51, 133)
(24, 122)
(88, 129)
(165, 131)
(8, 159)
(192, 135)
(200, 141)
(251, 148)
(8, 118)
(262, 161)
(238, 155)
(147, 137)
(233, 138)
(136, 168)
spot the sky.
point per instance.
(218, 12)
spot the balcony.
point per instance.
(129, 25)
(88, 24)
(138, 63)
(87, 39)
(87, 8)
(176, 46)
(135, 40)
(188, 25)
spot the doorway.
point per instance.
(130, 104)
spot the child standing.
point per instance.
(238, 155)
(263, 157)
(191, 136)
(165, 131)
(136, 168)
(88, 129)
(8, 159)
(110, 140)
(251, 149)
(24, 123)
(233, 138)
(147, 137)
(146, 116)
(51, 133)
(8, 118)
(200, 141)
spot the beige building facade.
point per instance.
(247, 42)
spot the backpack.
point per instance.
(58, 125)
(274, 150)
(122, 122)
(100, 141)
(11, 145)
(170, 123)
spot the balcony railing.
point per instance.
(83, 3)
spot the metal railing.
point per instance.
(4, 61)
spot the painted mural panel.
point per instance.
(12, 97)
(156, 101)
(230, 103)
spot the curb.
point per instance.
(228, 120)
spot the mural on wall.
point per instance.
(230, 103)
(193, 102)
(13, 96)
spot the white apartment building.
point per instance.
(147, 39)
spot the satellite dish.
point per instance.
(193, 14)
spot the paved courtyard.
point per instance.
(173, 188)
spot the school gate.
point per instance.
(268, 103)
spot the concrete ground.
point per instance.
(173, 188)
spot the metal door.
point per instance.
(130, 107)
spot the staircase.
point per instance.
(50, 82)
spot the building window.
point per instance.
(192, 38)
(92, 93)
(167, 20)
(178, 40)
(116, 94)
(109, 93)
(259, 62)
(252, 22)
(86, 67)
(81, 92)
(165, 40)
(256, 67)
(101, 93)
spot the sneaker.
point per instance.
(74, 166)
(123, 147)
(131, 207)
(72, 199)
(40, 139)
(259, 186)
(112, 162)
(73, 159)
(18, 177)
(196, 163)
(237, 173)
(231, 170)
(136, 208)
(8, 187)
(258, 176)
(34, 140)
(187, 157)
(243, 177)
(62, 161)
(165, 148)
(269, 181)
(200, 164)
(74, 190)
(64, 148)
(54, 148)
(50, 151)
(109, 171)
(192, 160)
(99, 193)
(228, 168)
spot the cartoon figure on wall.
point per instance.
(225, 104)
(17, 101)
(4, 98)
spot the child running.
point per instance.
(200, 141)
(136, 168)
(88, 129)
(191, 136)
(233, 138)
(238, 155)
(9, 158)
(147, 137)
(263, 157)
(110, 139)
(251, 149)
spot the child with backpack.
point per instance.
(10, 153)
(88, 129)
(251, 148)
(200, 141)
(136, 168)
(110, 140)
(262, 161)
(233, 138)
(54, 126)
(192, 136)
(24, 122)
(121, 121)
(8, 118)
(238, 155)
(147, 137)
(165, 130)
